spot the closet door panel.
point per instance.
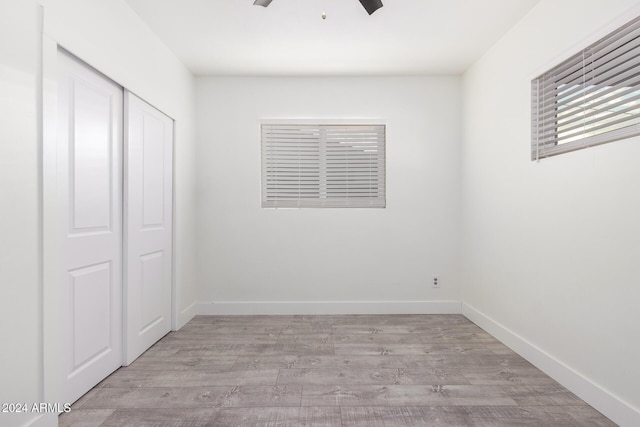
(148, 213)
(89, 195)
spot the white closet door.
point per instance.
(148, 218)
(89, 194)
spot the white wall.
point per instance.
(108, 35)
(249, 254)
(19, 266)
(551, 249)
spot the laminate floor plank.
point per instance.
(312, 327)
(546, 395)
(490, 360)
(326, 370)
(346, 376)
(162, 349)
(457, 337)
(183, 363)
(375, 349)
(402, 417)
(168, 417)
(194, 397)
(309, 338)
(320, 417)
(378, 339)
(406, 395)
(584, 415)
(260, 396)
(505, 375)
(156, 397)
(232, 338)
(128, 378)
(338, 361)
(417, 349)
(264, 417)
(454, 416)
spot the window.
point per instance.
(323, 165)
(591, 98)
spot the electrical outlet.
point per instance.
(435, 283)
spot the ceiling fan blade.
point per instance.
(263, 3)
(371, 5)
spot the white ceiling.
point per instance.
(405, 37)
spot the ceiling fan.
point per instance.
(369, 5)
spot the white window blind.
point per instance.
(322, 165)
(591, 98)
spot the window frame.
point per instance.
(597, 45)
(375, 203)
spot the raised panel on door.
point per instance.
(148, 217)
(90, 159)
(90, 288)
(89, 194)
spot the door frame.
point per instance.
(51, 293)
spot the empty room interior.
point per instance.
(320, 212)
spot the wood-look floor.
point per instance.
(363, 370)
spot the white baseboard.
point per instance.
(328, 307)
(187, 314)
(608, 404)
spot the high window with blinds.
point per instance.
(323, 165)
(591, 98)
